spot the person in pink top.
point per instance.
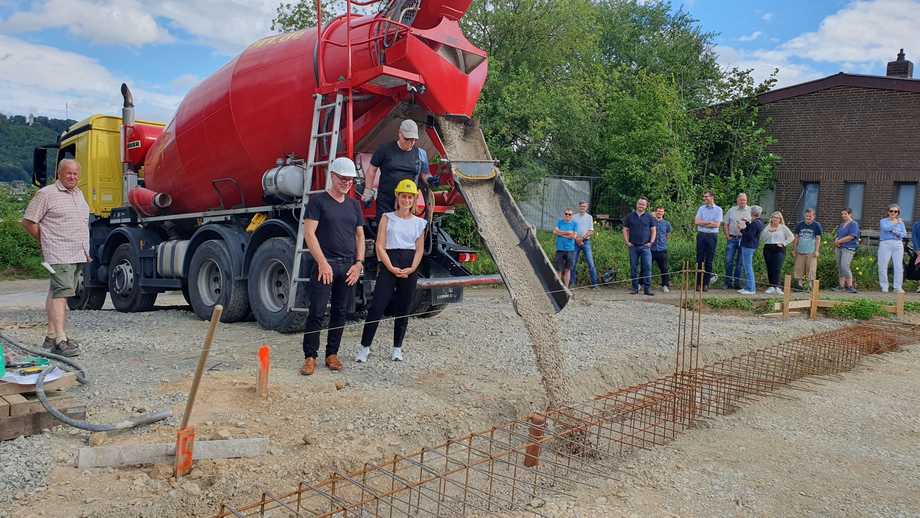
(58, 217)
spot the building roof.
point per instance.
(897, 84)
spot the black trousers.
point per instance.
(336, 296)
(774, 256)
(391, 288)
(661, 261)
(705, 252)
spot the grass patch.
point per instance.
(729, 303)
(912, 307)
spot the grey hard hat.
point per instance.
(343, 166)
(408, 129)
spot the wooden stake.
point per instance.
(185, 438)
(787, 295)
(264, 366)
(815, 294)
(899, 306)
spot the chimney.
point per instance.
(900, 67)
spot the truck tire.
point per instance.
(269, 284)
(124, 282)
(210, 282)
(86, 298)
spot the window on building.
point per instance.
(854, 199)
(809, 198)
(905, 196)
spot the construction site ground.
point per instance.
(845, 446)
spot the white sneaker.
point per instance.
(778, 291)
(771, 290)
(362, 355)
(898, 290)
(884, 290)
(666, 289)
(397, 354)
(747, 292)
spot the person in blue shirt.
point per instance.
(891, 232)
(566, 231)
(660, 248)
(844, 249)
(640, 230)
(915, 240)
(708, 220)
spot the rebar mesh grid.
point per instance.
(505, 467)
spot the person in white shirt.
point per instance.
(584, 231)
(400, 245)
(776, 236)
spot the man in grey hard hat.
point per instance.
(334, 235)
(396, 160)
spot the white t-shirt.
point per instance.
(583, 223)
(402, 233)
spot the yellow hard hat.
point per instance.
(406, 186)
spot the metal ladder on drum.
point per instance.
(300, 248)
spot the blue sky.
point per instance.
(68, 57)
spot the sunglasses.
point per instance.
(894, 212)
(568, 213)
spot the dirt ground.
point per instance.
(844, 447)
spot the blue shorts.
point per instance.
(565, 260)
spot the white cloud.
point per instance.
(862, 32)
(767, 17)
(763, 62)
(750, 37)
(185, 81)
(48, 81)
(226, 25)
(102, 21)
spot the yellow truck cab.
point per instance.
(95, 143)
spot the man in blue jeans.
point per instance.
(708, 220)
(639, 232)
(735, 220)
(585, 232)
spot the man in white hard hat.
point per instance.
(334, 235)
(396, 161)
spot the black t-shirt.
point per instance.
(337, 224)
(395, 165)
(640, 227)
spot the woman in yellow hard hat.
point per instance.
(400, 245)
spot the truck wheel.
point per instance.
(269, 286)
(124, 282)
(210, 282)
(86, 298)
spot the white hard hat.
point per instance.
(343, 166)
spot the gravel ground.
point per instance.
(464, 370)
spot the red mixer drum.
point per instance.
(258, 108)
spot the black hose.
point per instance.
(81, 377)
(83, 425)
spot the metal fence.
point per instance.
(544, 201)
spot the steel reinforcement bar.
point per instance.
(505, 467)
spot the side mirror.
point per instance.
(40, 166)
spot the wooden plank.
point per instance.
(899, 306)
(4, 408)
(165, 453)
(32, 424)
(68, 380)
(795, 304)
(25, 406)
(815, 295)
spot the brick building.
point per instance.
(848, 141)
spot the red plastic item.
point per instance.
(234, 125)
(185, 444)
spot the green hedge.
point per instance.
(20, 255)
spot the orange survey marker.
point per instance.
(185, 437)
(185, 443)
(264, 366)
(537, 426)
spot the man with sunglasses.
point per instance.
(396, 161)
(334, 235)
(566, 232)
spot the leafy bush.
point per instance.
(730, 303)
(20, 255)
(861, 309)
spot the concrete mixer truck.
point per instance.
(211, 204)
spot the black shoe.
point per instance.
(48, 343)
(68, 347)
(705, 288)
(633, 292)
(649, 293)
(798, 288)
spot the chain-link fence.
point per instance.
(544, 201)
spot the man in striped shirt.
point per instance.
(58, 217)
